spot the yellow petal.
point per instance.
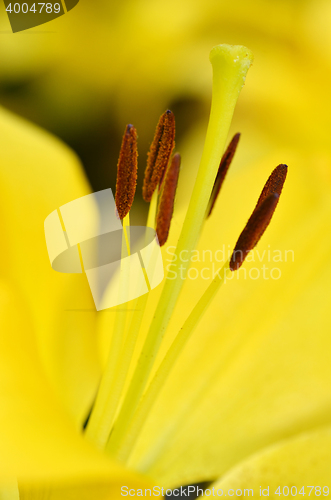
(39, 443)
(38, 174)
(291, 465)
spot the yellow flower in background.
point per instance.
(162, 48)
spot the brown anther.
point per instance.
(166, 206)
(222, 171)
(126, 172)
(159, 154)
(274, 184)
(253, 231)
(260, 218)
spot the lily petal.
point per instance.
(298, 462)
(39, 443)
(38, 174)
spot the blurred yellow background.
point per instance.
(85, 75)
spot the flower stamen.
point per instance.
(274, 184)
(159, 154)
(260, 218)
(167, 201)
(250, 236)
(222, 171)
(230, 66)
(127, 172)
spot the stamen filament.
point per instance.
(152, 210)
(123, 450)
(97, 429)
(230, 66)
(118, 364)
(126, 233)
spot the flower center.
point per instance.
(117, 418)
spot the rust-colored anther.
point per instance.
(126, 172)
(166, 206)
(274, 184)
(222, 171)
(159, 154)
(260, 218)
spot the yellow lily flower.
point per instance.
(229, 402)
